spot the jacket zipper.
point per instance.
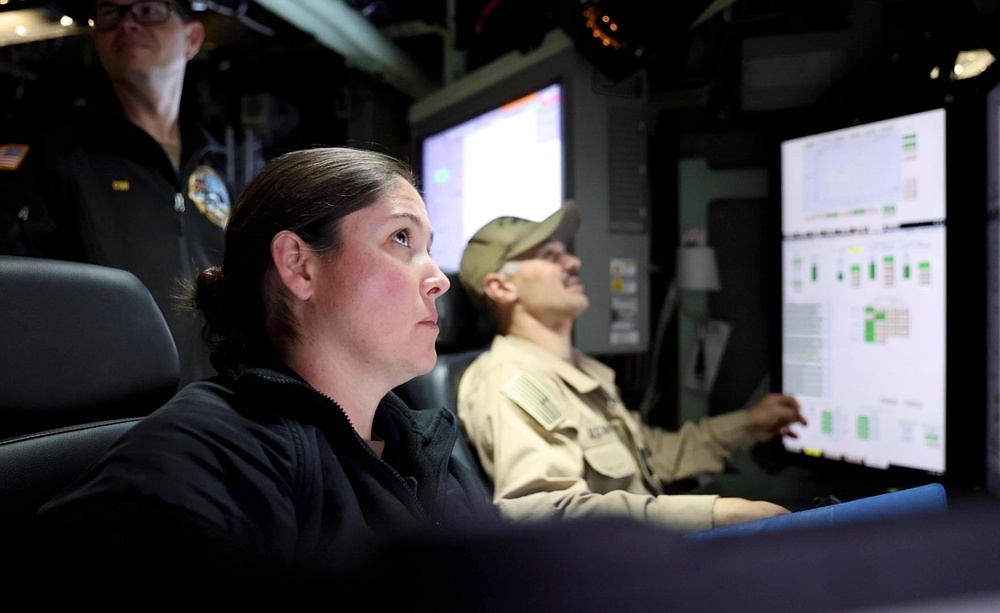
(399, 478)
(179, 209)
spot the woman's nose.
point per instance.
(438, 282)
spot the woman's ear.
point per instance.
(293, 261)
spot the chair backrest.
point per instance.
(464, 334)
(85, 354)
(33, 467)
(80, 343)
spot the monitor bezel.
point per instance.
(965, 395)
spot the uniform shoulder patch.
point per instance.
(12, 155)
(210, 195)
(526, 392)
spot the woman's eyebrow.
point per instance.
(416, 221)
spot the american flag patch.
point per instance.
(528, 394)
(11, 156)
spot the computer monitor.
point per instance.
(868, 322)
(507, 160)
(521, 135)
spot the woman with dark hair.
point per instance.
(297, 452)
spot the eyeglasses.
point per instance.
(108, 15)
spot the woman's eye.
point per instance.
(403, 238)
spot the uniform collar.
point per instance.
(585, 377)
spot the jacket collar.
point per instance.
(260, 372)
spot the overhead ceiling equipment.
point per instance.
(343, 29)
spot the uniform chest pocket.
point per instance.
(610, 462)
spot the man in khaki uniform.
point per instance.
(547, 421)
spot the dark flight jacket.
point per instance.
(91, 186)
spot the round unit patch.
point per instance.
(208, 192)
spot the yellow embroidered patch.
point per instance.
(121, 185)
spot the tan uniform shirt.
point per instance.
(558, 441)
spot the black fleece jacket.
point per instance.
(255, 471)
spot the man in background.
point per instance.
(128, 180)
(548, 422)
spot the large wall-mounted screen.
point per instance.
(520, 136)
(506, 161)
(864, 291)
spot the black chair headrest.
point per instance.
(81, 343)
(461, 325)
